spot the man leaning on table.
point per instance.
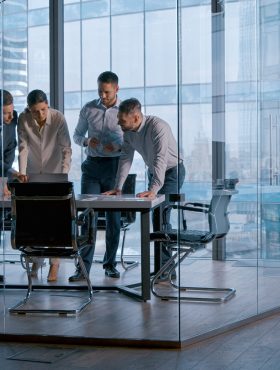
(153, 139)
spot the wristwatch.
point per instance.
(85, 143)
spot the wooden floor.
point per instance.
(252, 347)
(113, 315)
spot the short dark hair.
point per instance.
(35, 97)
(130, 106)
(108, 77)
(6, 98)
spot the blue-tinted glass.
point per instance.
(128, 49)
(72, 100)
(196, 93)
(161, 95)
(15, 60)
(270, 90)
(241, 91)
(17, 6)
(270, 12)
(88, 96)
(38, 58)
(124, 6)
(159, 4)
(38, 17)
(35, 4)
(97, 8)
(72, 12)
(195, 2)
(70, 1)
(19, 101)
(132, 93)
(18, 20)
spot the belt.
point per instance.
(98, 159)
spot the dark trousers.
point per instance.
(99, 175)
(173, 181)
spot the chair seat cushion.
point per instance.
(48, 252)
(190, 236)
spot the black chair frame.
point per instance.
(183, 242)
(44, 225)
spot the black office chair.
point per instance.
(44, 225)
(184, 241)
(127, 218)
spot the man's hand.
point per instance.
(6, 191)
(112, 192)
(146, 194)
(20, 177)
(109, 148)
(93, 142)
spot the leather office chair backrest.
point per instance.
(218, 215)
(43, 215)
(44, 225)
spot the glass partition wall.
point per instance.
(209, 69)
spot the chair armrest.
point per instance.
(196, 207)
(83, 215)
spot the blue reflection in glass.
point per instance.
(72, 12)
(163, 4)
(124, 6)
(72, 100)
(97, 8)
(38, 17)
(16, 6)
(16, 21)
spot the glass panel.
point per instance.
(219, 140)
(72, 56)
(96, 54)
(161, 51)
(119, 43)
(34, 4)
(212, 73)
(38, 58)
(127, 49)
(24, 66)
(269, 257)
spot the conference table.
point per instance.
(123, 203)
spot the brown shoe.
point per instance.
(52, 276)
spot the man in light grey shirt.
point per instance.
(98, 131)
(153, 139)
(44, 147)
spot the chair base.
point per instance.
(228, 293)
(19, 308)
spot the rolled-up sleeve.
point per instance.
(22, 144)
(160, 136)
(125, 163)
(65, 143)
(81, 129)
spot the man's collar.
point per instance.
(117, 103)
(142, 123)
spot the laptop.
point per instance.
(47, 177)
